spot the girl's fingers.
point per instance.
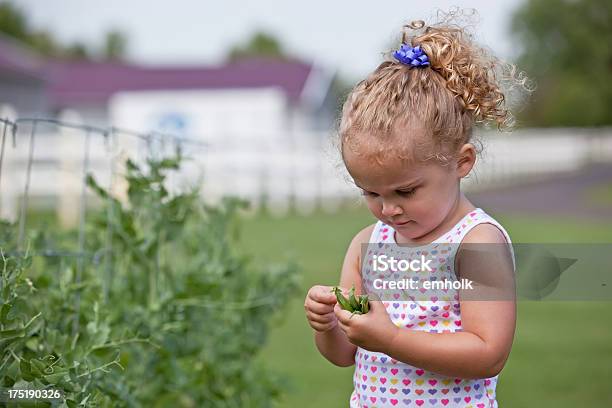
(318, 308)
(326, 318)
(322, 327)
(341, 314)
(322, 294)
(342, 326)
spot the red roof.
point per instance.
(94, 82)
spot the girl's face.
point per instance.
(413, 198)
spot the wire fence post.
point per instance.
(2, 154)
(83, 212)
(24, 203)
(108, 259)
(6, 124)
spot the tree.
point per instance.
(115, 45)
(566, 50)
(14, 23)
(77, 50)
(260, 44)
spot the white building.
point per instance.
(255, 117)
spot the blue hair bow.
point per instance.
(414, 57)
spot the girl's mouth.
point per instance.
(399, 224)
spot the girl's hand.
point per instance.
(319, 306)
(373, 331)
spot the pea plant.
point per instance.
(35, 351)
(162, 309)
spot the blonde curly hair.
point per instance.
(428, 112)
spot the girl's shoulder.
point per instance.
(480, 227)
(365, 234)
(484, 229)
(485, 233)
(361, 238)
(476, 224)
(360, 241)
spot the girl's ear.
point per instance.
(466, 158)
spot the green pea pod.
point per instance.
(344, 303)
(365, 305)
(352, 300)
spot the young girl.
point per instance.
(405, 135)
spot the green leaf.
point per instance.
(26, 372)
(37, 367)
(4, 312)
(71, 403)
(12, 333)
(19, 309)
(55, 378)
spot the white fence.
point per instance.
(529, 154)
(305, 174)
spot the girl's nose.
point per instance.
(390, 209)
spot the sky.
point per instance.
(347, 36)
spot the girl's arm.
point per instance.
(333, 344)
(335, 347)
(482, 348)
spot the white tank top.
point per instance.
(380, 381)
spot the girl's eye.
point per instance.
(407, 193)
(368, 193)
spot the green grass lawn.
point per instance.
(600, 195)
(562, 353)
